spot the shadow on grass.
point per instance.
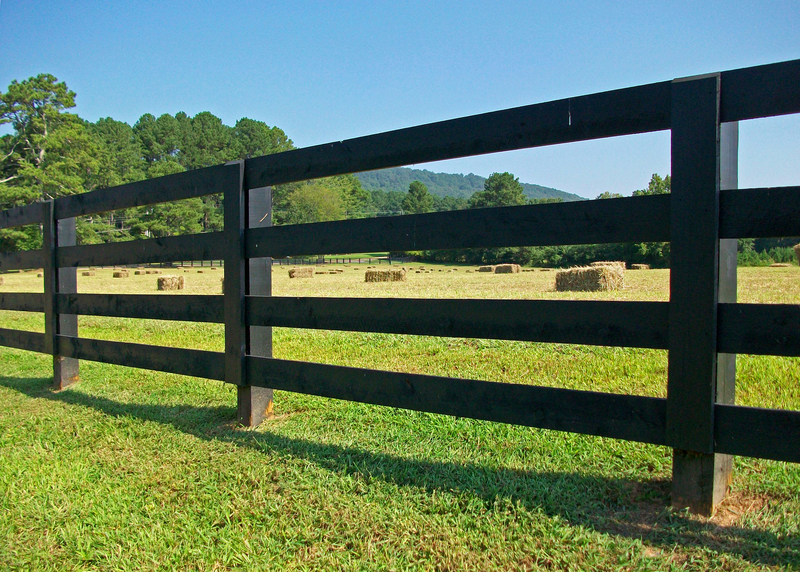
(635, 509)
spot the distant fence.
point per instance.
(701, 326)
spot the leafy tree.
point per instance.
(418, 200)
(386, 203)
(609, 195)
(208, 142)
(121, 154)
(449, 204)
(255, 138)
(313, 202)
(656, 186)
(499, 190)
(50, 153)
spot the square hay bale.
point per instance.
(391, 275)
(169, 282)
(121, 274)
(302, 272)
(610, 263)
(507, 269)
(486, 269)
(640, 267)
(590, 278)
(88, 273)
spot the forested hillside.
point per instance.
(447, 184)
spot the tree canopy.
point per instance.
(418, 200)
(499, 190)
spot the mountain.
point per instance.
(447, 184)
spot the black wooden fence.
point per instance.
(702, 326)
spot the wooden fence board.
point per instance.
(632, 219)
(20, 216)
(761, 329)
(190, 184)
(189, 308)
(21, 301)
(195, 363)
(618, 416)
(20, 260)
(755, 432)
(760, 91)
(635, 324)
(694, 264)
(207, 246)
(760, 213)
(22, 340)
(620, 112)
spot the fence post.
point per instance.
(255, 403)
(698, 376)
(57, 280)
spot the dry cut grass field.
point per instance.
(131, 469)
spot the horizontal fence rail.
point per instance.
(697, 215)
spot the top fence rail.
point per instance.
(747, 93)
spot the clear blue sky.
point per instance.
(327, 71)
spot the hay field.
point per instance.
(132, 469)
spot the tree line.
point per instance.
(52, 152)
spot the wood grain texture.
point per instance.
(760, 213)
(760, 91)
(694, 265)
(635, 324)
(632, 219)
(20, 216)
(627, 417)
(761, 329)
(196, 183)
(754, 432)
(196, 363)
(189, 308)
(22, 340)
(620, 112)
(21, 301)
(206, 246)
(20, 260)
(235, 279)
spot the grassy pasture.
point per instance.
(137, 470)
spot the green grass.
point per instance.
(138, 470)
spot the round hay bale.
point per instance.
(39, 275)
(590, 278)
(169, 282)
(391, 275)
(87, 273)
(213, 268)
(200, 271)
(302, 272)
(139, 273)
(120, 274)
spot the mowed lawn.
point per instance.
(138, 470)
